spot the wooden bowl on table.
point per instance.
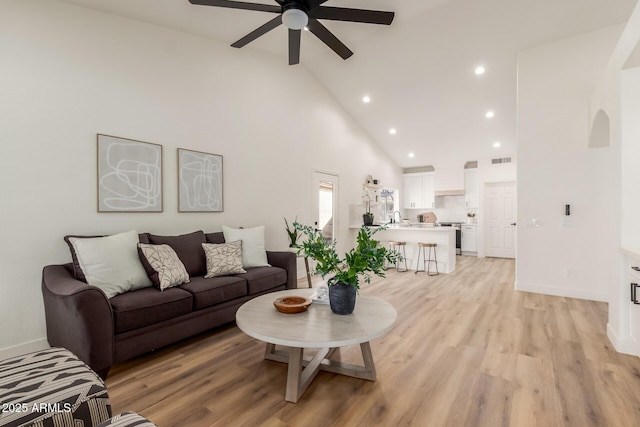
(292, 304)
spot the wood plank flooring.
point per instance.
(467, 350)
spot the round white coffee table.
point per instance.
(319, 328)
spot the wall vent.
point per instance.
(501, 160)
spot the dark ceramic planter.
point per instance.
(367, 219)
(342, 298)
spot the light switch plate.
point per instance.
(532, 222)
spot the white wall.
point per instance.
(69, 73)
(555, 168)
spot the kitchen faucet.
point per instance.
(394, 216)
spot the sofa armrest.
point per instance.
(79, 318)
(286, 260)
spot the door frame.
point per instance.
(316, 173)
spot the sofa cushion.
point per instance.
(189, 250)
(78, 274)
(253, 249)
(223, 259)
(163, 265)
(148, 306)
(110, 263)
(260, 279)
(207, 292)
(215, 237)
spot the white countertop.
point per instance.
(412, 227)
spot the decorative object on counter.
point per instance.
(428, 217)
(471, 217)
(367, 217)
(292, 304)
(293, 234)
(368, 257)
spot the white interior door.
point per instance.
(500, 220)
(325, 189)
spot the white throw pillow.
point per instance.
(253, 251)
(111, 263)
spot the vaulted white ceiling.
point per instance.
(419, 72)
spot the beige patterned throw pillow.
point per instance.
(223, 259)
(168, 270)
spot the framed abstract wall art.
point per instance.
(199, 181)
(129, 175)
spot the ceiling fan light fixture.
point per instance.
(295, 19)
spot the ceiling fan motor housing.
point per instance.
(294, 17)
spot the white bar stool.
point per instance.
(427, 261)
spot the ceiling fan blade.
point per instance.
(352, 15)
(294, 46)
(313, 3)
(238, 5)
(328, 38)
(260, 31)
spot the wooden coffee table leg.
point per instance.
(369, 366)
(367, 371)
(301, 371)
(294, 375)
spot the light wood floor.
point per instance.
(467, 350)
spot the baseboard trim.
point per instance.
(24, 348)
(562, 292)
(623, 345)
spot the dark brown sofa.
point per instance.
(103, 332)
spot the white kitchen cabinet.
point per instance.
(412, 191)
(429, 191)
(471, 189)
(634, 303)
(419, 190)
(469, 239)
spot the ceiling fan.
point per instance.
(298, 14)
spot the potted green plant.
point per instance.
(367, 217)
(293, 233)
(367, 258)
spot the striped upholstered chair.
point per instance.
(53, 388)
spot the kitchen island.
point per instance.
(445, 237)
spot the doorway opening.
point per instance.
(325, 186)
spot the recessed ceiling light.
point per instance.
(412, 155)
(496, 144)
(393, 131)
(479, 70)
(490, 114)
(366, 99)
